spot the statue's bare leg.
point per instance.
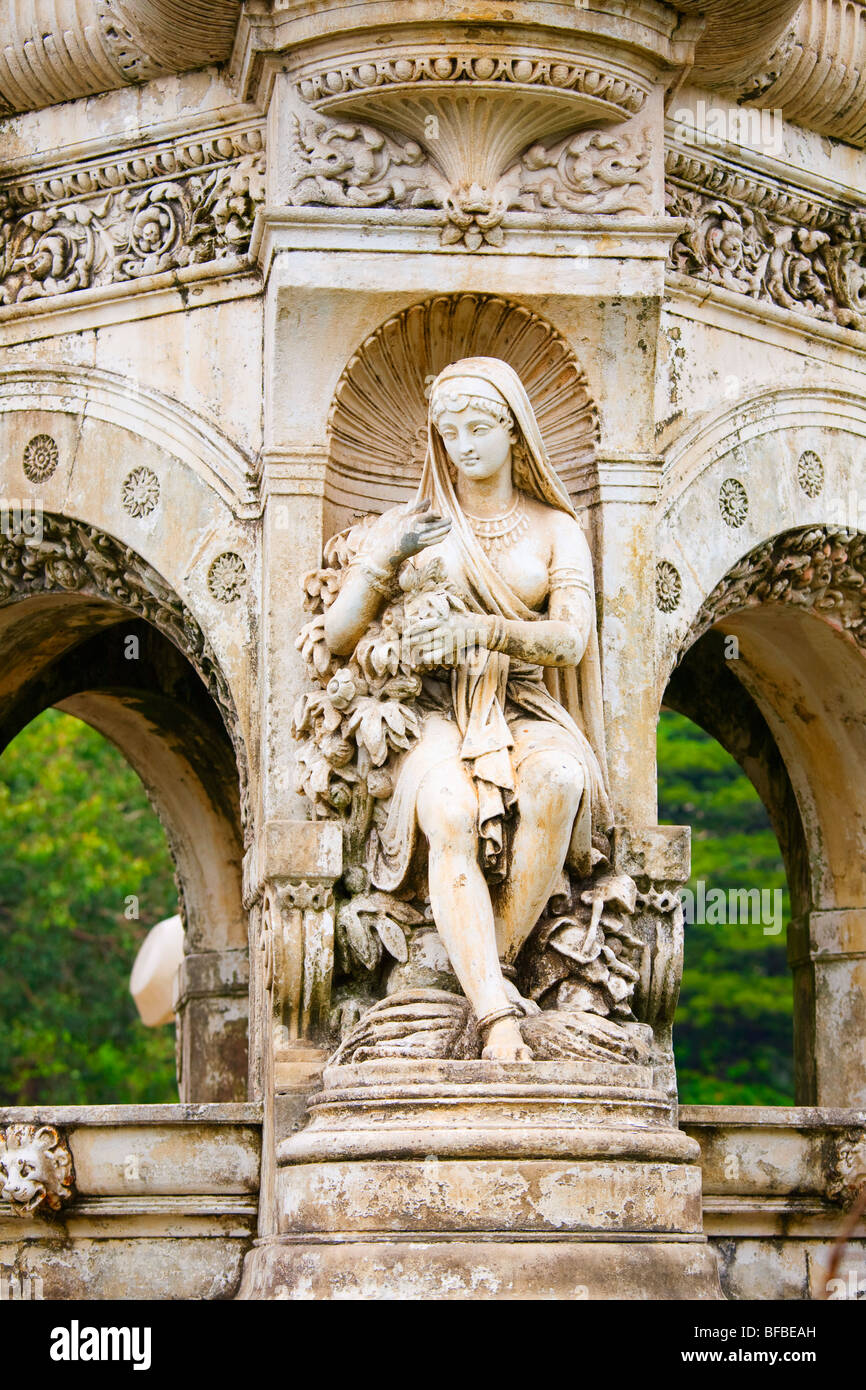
(550, 785)
(447, 812)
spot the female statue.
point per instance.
(505, 781)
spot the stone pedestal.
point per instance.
(479, 1179)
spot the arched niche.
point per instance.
(773, 665)
(90, 627)
(377, 430)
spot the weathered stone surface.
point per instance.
(406, 1269)
(222, 294)
(489, 1194)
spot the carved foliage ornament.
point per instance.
(125, 220)
(140, 494)
(76, 558)
(35, 1169)
(353, 165)
(822, 568)
(776, 247)
(669, 587)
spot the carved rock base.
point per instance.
(426, 1179)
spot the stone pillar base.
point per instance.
(425, 1179)
(449, 1267)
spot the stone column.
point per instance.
(212, 1008)
(827, 954)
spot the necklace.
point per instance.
(501, 532)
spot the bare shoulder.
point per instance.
(568, 544)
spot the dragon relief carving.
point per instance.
(36, 1168)
(353, 165)
(158, 211)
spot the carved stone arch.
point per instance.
(788, 699)
(72, 598)
(377, 425)
(93, 394)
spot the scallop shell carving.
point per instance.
(378, 418)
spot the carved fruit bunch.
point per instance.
(350, 730)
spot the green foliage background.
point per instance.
(732, 1034)
(77, 837)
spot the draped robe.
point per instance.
(480, 709)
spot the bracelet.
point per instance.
(379, 579)
(498, 635)
(509, 1011)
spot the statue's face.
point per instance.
(477, 444)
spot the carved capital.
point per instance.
(35, 1168)
(341, 163)
(296, 945)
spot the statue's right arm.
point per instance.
(356, 606)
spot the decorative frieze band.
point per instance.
(154, 210)
(432, 70)
(775, 244)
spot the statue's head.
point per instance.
(475, 423)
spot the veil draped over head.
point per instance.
(570, 697)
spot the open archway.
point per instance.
(774, 668)
(87, 626)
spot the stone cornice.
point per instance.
(815, 73)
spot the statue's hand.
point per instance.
(446, 642)
(411, 531)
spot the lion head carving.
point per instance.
(35, 1168)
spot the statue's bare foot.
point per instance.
(504, 1043)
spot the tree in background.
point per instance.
(78, 840)
(733, 1030)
